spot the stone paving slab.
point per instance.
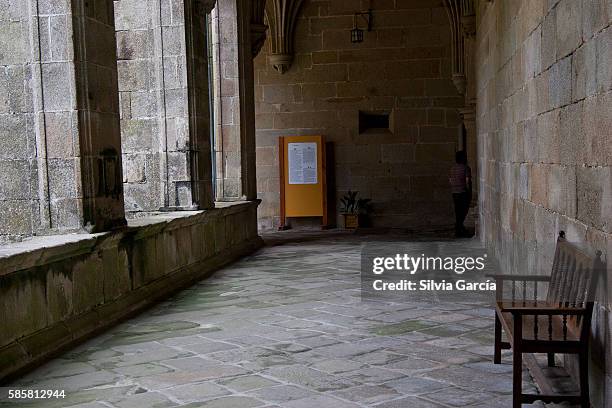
(286, 327)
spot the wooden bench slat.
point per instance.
(538, 374)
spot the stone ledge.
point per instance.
(43, 250)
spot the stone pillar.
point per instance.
(75, 112)
(247, 100)
(234, 101)
(468, 115)
(462, 20)
(198, 91)
(163, 83)
(227, 101)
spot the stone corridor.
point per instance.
(285, 327)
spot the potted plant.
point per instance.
(354, 210)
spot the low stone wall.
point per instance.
(57, 291)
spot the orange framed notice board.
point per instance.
(302, 178)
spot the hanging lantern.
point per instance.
(356, 32)
(356, 35)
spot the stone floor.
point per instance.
(286, 328)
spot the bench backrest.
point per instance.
(574, 277)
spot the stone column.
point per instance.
(234, 101)
(165, 113)
(247, 100)
(76, 115)
(198, 90)
(462, 20)
(468, 114)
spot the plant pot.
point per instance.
(351, 221)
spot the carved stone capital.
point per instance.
(281, 16)
(281, 62)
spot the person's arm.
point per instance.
(468, 177)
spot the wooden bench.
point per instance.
(558, 323)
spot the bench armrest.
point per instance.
(560, 324)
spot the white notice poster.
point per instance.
(302, 163)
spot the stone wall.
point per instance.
(59, 126)
(163, 90)
(401, 68)
(56, 291)
(19, 203)
(545, 147)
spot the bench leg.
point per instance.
(517, 378)
(551, 359)
(584, 379)
(498, 338)
(517, 363)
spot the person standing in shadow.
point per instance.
(461, 186)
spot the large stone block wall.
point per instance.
(402, 67)
(544, 123)
(56, 291)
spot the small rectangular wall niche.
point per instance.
(374, 122)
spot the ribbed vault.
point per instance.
(281, 16)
